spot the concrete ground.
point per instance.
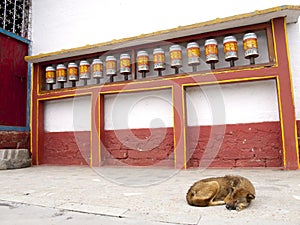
(82, 195)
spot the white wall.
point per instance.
(147, 109)
(67, 24)
(69, 114)
(63, 24)
(294, 50)
(206, 105)
(246, 102)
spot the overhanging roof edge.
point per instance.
(291, 13)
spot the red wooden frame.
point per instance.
(278, 69)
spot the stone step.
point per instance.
(14, 158)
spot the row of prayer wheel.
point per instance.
(96, 69)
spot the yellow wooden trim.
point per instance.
(99, 127)
(66, 90)
(225, 72)
(37, 134)
(174, 128)
(230, 81)
(184, 125)
(281, 121)
(91, 131)
(64, 96)
(136, 90)
(91, 88)
(275, 43)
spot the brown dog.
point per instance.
(235, 191)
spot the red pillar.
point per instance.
(95, 129)
(285, 97)
(37, 120)
(179, 127)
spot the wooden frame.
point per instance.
(264, 26)
(277, 68)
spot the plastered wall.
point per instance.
(232, 103)
(293, 32)
(67, 24)
(69, 114)
(147, 109)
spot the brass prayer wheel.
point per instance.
(230, 49)
(193, 53)
(84, 70)
(250, 47)
(50, 75)
(61, 73)
(97, 68)
(211, 52)
(73, 73)
(125, 64)
(176, 56)
(111, 66)
(159, 62)
(143, 62)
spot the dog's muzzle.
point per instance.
(230, 207)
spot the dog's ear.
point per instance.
(250, 196)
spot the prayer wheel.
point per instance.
(211, 52)
(193, 54)
(250, 47)
(84, 71)
(230, 49)
(159, 60)
(143, 62)
(97, 70)
(61, 74)
(176, 57)
(111, 67)
(50, 77)
(125, 65)
(73, 73)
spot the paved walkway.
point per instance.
(82, 195)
